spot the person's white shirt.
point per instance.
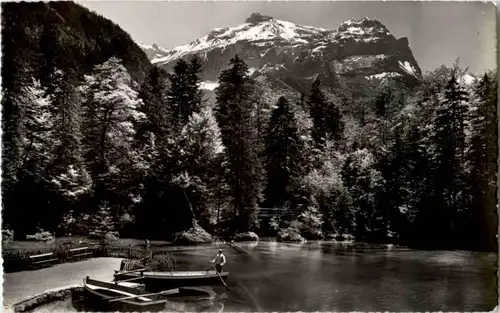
(219, 259)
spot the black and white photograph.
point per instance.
(249, 156)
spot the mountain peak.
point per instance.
(256, 18)
(361, 47)
(364, 22)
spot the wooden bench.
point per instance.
(41, 259)
(82, 252)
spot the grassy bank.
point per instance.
(16, 253)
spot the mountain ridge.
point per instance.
(360, 50)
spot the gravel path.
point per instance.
(24, 285)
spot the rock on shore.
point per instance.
(194, 235)
(247, 236)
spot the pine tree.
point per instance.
(448, 181)
(103, 224)
(333, 120)
(184, 96)
(362, 181)
(316, 104)
(482, 157)
(68, 172)
(155, 131)
(154, 103)
(325, 114)
(11, 155)
(195, 69)
(395, 190)
(48, 47)
(235, 100)
(282, 151)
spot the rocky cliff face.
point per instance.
(292, 56)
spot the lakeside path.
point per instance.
(23, 285)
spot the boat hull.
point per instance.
(99, 297)
(155, 282)
(103, 305)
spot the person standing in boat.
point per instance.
(219, 261)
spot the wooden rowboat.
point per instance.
(109, 296)
(157, 281)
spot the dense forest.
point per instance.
(92, 132)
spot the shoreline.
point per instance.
(59, 294)
(23, 286)
(45, 286)
(166, 246)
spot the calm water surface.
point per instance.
(342, 277)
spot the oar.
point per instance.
(165, 292)
(129, 279)
(222, 280)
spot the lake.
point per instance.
(351, 277)
(346, 277)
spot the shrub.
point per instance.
(75, 224)
(7, 235)
(61, 252)
(194, 235)
(311, 221)
(247, 236)
(274, 224)
(102, 222)
(162, 263)
(15, 260)
(344, 237)
(290, 234)
(41, 236)
(138, 254)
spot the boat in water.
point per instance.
(109, 296)
(131, 297)
(157, 281)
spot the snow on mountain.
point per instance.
(290, 56)
(263, 32)
(152, 51)
(362, 30)
(467, 79)
(382, 76)
(209, 85)
(144, 46)
(408, 68)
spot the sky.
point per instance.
(438, 32)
